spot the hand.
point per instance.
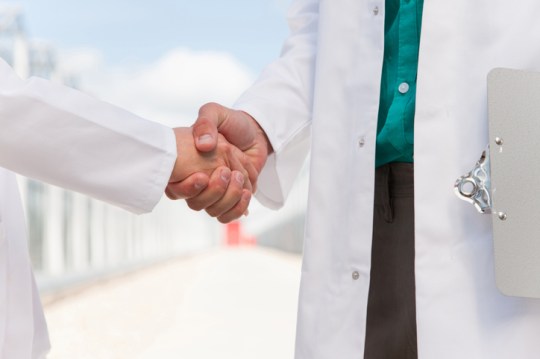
(225, 169)
(240, 129)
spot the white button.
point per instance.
(361, 142)
(355, 275)
(376, 10)
(403, 87)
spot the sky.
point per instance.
(143, 30)
(161, 59)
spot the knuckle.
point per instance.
(168, 193)
(243, 158)
(185, 193)
(207, 107)
(223, 220)
(194, 205)
(235, 212)
(223, 147)
(230, 216)
(218, 186)
(212, 212)
(236, 192)
(227, 149)
(218, 191)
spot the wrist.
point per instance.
(260, 134)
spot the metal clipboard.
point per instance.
(506, 181)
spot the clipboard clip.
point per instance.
(475, 186)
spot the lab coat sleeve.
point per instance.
(63, 137)
(281, 102)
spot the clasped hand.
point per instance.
(219, 160)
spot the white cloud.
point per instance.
(170, 90)
(81, 61)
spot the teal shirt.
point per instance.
(395, 130)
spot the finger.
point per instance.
(252, 174)
(238, 210)
(205, 129)
(169, 194)
(189, 187)
(217, 186)
(239, 161)
(238, 164)
(231, 197)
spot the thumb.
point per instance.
(205, 129)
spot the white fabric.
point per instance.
(61, 136)
(327, 83)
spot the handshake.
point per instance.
(219, 160)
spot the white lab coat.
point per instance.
(326, 85)
(61, 136)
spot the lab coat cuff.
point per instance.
(282, 167)
(160, 178)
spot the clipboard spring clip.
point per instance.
(475, 186)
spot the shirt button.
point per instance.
(376, 10)
(403, 87)
(355, 275)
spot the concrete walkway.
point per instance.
(227, 303)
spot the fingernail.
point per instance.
(239, 177)
(205, 139)
(225, 175)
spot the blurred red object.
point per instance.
(234, 235)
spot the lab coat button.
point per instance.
(376, 10)
(403, 87)
(361, 142)
(355, 275)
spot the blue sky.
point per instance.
(131, 31)
(161, 59)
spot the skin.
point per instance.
(218, 179)
(216, 124)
